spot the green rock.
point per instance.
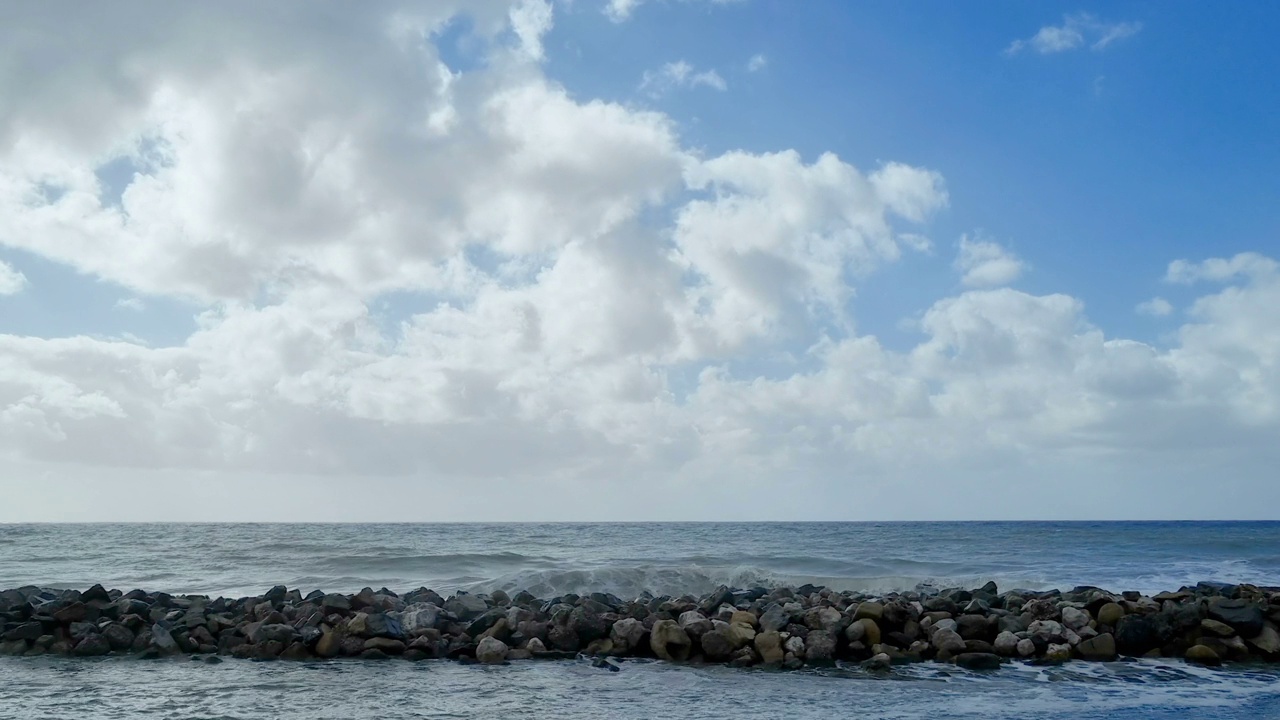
(1110, 614)
(1202, 655)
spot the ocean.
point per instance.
(626, 559)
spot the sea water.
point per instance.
(626, 559)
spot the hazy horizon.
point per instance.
(508, 260)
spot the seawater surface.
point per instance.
(626, 559)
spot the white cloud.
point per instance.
(135, 304)
(757, 63)
(621, 10)
(608, 316)
(1155, 307)
(12, 281)
(679, 75)
(1074, 32)
(983, 263)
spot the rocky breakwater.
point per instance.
(777, 627)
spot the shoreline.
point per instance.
(780, 627)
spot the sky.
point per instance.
(639, 260)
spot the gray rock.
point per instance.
(162, 640)
(1006, 644)
(627, 634)
(1244, 616)
(978, 661)
(418, 618)
(1075, 618)
(92, 646)
(283, 634)
(118, 636)
(774, 618)
(820, 646)
(1110, 614)
(491, 651)
(1267, 642)
(1026, 647)
(948, 641)
(1102, 648)
(466, 607)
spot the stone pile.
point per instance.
(779, 627)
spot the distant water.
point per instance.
(625, 559)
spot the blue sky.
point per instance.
(581, 242)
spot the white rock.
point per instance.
(795, 645)
(1075, 618)
(491, 650)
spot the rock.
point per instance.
(870, 610)
(70, 613)
(1026, 648)
(296, 651)
(769, 645)
(92, 646)
(466, 607)
(564, 638)
(948, 641)
(717, 646)
(694, 623)
(330, 643)
(820, 646)
(869, 634)
(1102, 648)
(1110, 614)
(535, 646)
(162, 640)
(118, 636)
(1006, 644)
(25, 631)
(795, 645)
(589, 624)
(878, 663)
(13, 647)
(389, 646)
(418, 618)
(283, 634)
(740, 635)
(1047, 629)
(1075, 618)
(973, 627)
(1057, 653)
(1213, 627)
(491, 651)
(774, 618)
(1267, 642)
(627, 634)
(1136, 634)
(335, 605)
(978, 661)
(742, 617)
(669, 642)
(1202, 655)
(1244, 616)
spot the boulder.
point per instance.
(769, 645)
(1026, 647)
(740, 635)
(1074, 618)
(491, 651)
(1057, 653)
(1209, 626)
(870, 610)
(466, 607)
(694, 623)
(868, 632)
(1110, 613)
(1202, 655)
(774, 618)
(1136, 635)
(118, 636)
(1101, 647)
(880, 663)
(1267, 642)
(563, 637)
(388, 646)
(418, 618)
(1006, 644)
(330, 643)
(973, 627)
(669, 642)
(978, 661)
(1246, 617)
(820, 646)
(948, 641)
(717, 646)
(589, 623)
(162, 640)
(627, 634)
(92, 646)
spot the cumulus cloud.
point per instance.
(12, 282)
(1075, 31)
(611, 324)
(679, 75)
(1155, 307)
(983, 263)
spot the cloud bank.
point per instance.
(606, 323)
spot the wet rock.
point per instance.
(669, 642)
(973, 627)
(389, 646)
(1202, 655)
(419, 617)
(1074, 618)
(820, 646)
(162, 640)
(948, 641)
(1006, 644)
(1267, 642)
(627, 634)
(978, 661)
(330, 643)
(717, 646)
(774, 618)
(466, 607)
(92, 646)
(1213, 627)
(1136, 634)
(1057, 653)
(1026, 647)
(1100, 648)
(563, 637)
(880, 663)
(870, 610)
(769, 646)
(23, 632)
(867, 632)
(491, 651)
(1246, 617)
